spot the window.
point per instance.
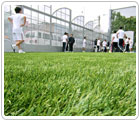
(41, 8)
(34, 15)
(31, 41)
(47, 19)
(59, 38)
(33, 34)
(46, 36)
(39, 34)
(35, 7)
(28, 35)
(41, 17)
(13, 8)
(27, 13)
(47, 9)
(7, 8)
(35, 41)
(54, 37)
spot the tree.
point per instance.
(128, 24)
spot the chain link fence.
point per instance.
(44, 29)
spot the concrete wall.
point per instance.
(38, 48)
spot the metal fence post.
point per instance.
(83, 29)
(51, 26)
(70, 20)
(109, 31)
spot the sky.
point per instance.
(91, 10)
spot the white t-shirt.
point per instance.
(98, 43)
(115, 38)
(127, 41)
(64, 38)
(120, 34)
(84, 43)
(18, 19)
(104, 44)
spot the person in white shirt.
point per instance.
(130, 45)
(18, 21)
(67, 45)
(104, 46)
(64, 41)
(98, 44)
(127, 44)
(121, 35)
(84, 44)
(114, 43)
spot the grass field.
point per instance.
(70, 84)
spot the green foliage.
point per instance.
(70, 84)
(128, 24)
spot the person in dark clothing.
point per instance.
(121, 35)
(95, 43)
(108, 43)
(71, 42)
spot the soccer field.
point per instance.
(70, 84)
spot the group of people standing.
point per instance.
(101, 45)
(68, 42)
(120, 42)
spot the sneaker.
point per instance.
(21, 51)
(13, 47)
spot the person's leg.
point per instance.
(18, 44)
(20, 40)
(121, 45)
(66, 46)
(103, 49)
(72, 47)
(97, 48)
(127, 47)
(63, 47)
(83, 49)
(113, 45)
(117, 48)
(131, 50)
(69, 47)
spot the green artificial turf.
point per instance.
(70, 84)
